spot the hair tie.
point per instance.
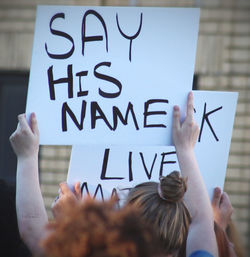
(160, 192)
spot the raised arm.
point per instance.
(201, 234)
(31, 213)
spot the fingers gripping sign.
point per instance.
(190, 107)
(66, 198)
(25, 139)
(185, 134)
(78, 192)
(222, 208)
(216, 198)
(66, 191)
(34, 125)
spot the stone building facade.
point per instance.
(222, 64)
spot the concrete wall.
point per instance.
(222, 63)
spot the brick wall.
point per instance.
(222, 63)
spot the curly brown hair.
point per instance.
(99, 229)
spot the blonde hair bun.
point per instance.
(172, 187)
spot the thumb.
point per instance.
(78, 192)
(216, 197)
(33, 124)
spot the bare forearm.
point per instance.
(201, 236)
(31, 213)
(198, 204)
(196, 197)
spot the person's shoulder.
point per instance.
(201, 253)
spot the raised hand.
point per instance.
(222, 208)
(185, 134)
(66, 197)
(25, 139)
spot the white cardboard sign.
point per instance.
(122, 167)
(110, 75)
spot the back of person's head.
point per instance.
(163, 206)
(98, 229)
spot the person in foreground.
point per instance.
(92, 228)
(81, 228)
(171, 204)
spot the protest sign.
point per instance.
(110, 75)
(103, 169)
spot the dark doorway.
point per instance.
(13, 92)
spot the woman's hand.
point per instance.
(66, 198)
(222, 208)
(25, 139)
(185, 134)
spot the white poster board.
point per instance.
(122, 167)
(110, 75)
